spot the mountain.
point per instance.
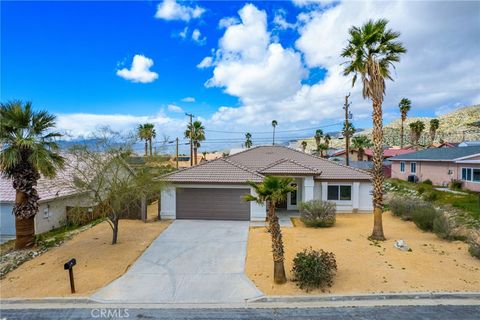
(456, 126)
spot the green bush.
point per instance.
(421, 190)
(317, 213)
(474, 250)
(403, 207)
(456, 185)
(314, 269)
(424, 215)
(428, 181)
(442, 226)
(430, 196)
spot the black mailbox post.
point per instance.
(69, 266)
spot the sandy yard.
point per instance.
(98, 262)
(365, 267)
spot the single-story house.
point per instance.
(368, 153)
(441, 166)
(56, 196)
(215, 189)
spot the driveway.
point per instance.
(193, 261)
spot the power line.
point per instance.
(269, 132)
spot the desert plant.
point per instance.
(442, 226)
(424, 215)
(314, 269)
(430, 196)
(428, 181)
(474, 250)
(456, 185)
(421, 189)
(317, 213)
(404, 207)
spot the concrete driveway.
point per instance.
(193, 261)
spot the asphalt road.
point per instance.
(358, 313)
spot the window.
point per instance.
(471, 174)
(343, 193)
(413, 167)
(402, 166)
(293, 195)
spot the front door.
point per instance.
(292, 199)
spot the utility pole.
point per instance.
(346, 132)
(177, 152)
(191, 138)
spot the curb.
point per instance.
(79, 300)
(370, 297)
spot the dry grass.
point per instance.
(365, 266)
(98, 262)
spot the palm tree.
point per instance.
(271, 191)
(372, 49)
(321, 148)
(28, 151)
(197, 134)
(318, 137)
(143, 135)
(416, 129)
(434, 125)
(404, 105)
(327, 139)
(248, 140)
(361, 143)
(151, 134)
(304, 145)
(274, 124)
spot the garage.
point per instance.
(212, 204)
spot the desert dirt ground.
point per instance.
(98, 262)
(365, 266)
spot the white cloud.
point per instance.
(306, 3)
(183, 34)
(205, 63)
(227, 22)
(197, 37)
(174, 108)
(437, 71)
(139, 71)
(188, 99)
(280, 21)
(171, 10)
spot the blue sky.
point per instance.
(268, 60)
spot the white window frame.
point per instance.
(411, 166)
(341, 185)
(466, 174)
(402, 166)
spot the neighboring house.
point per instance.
(56, 195)
(368, 153)
(441, 166)
(215, 189)
(184, 161)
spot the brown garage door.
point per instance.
(212, 204)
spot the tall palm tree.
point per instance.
(371, 50)
(416, 129)
(361, 143)
(304, 145)
(318, 137)
(274, 124)
(434, 125)
(327, 139)
(198, 134)
(142, 132)
(248, 140)
(404, 105)
(151, 134)
(271, 191)
(321, 148)
(28, 151)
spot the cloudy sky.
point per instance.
(235, 65)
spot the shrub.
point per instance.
(421, 190)
(317, 213)
(474, 250)
(424, 215)
(403, 207)
(428, 181)
(442, 226)
(430, 196)
(456, 184)
(314, 269)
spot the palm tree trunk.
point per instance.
(24, 228)
(195, 153)
(146, 147)
(401, 135)
(279, 276)
(150, 143)
(378, 177)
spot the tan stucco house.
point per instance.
(215, 189)
(441, 166)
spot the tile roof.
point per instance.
(47, 189)
(439, 154)
(250, 164)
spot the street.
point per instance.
(358, 313)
